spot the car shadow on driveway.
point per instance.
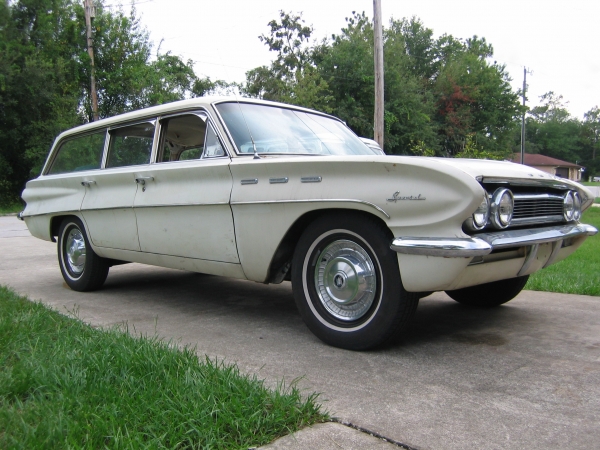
(438, 318)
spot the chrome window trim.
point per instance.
(337, 200)
(221, 140)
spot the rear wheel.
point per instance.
(81, 268)
(347, 284)
(490, 294)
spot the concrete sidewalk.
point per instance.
(525, 375)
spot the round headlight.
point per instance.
(482, 214)
(576, 206)
(569, 206)
(503, 204)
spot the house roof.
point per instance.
(541, 160)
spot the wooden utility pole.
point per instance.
(523, 118)
(379, 108)
(90, 11)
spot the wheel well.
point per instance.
(285, 251)
(55, 225)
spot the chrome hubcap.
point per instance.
(345, 280)
(75, 251)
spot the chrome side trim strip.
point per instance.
(522, 182)
(53, 213)
(278, 180)
(166, 205)
(446, 247)
(250, 181)
(483, 244)
(337, 200)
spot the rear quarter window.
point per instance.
(80, 153)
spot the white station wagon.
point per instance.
(270, 192)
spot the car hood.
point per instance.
(496, 169)
(482, 169)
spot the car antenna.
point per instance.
(256, 155)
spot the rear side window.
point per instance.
(130, 145)
(80, 153)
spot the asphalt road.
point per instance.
(525, 375)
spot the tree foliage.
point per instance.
(438, 92)
(551, 130)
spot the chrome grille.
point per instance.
(537, 208)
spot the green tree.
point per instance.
(591, 142)
(552, 131)
(438, 92)
(292, 77)
(38, 85)
(474, 97)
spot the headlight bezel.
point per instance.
(482, 210)
(572, 206)
(501, 199)
(577, 214)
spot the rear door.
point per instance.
(108, 204)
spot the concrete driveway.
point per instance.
(525, 375)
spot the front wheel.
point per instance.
(347, 284)
(490, 294)
(81, 268)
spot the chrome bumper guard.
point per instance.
(483, 244)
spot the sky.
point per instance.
(557, 41)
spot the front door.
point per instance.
(182, 207)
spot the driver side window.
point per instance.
(187, 137)
(182, 138)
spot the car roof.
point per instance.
(173, 107)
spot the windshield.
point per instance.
(282, 130)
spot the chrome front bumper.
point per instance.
(483, 243)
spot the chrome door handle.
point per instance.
(88, 183)
(142, 180)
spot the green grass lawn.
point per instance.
(580, 272)
(64, 384)
(11, 208)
